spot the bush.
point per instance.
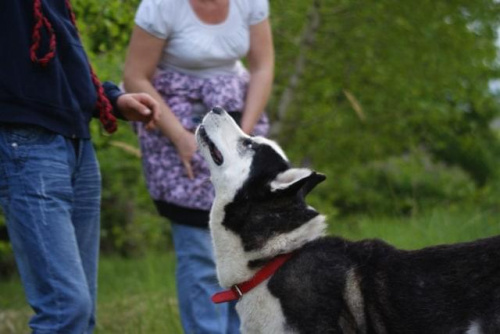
(397, 185)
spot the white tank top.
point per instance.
(199, 48)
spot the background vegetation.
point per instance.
(392, 100)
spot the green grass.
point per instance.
(138, 295)
(437, 226)
(135, 296)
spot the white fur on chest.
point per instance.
(261, 313)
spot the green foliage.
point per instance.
(400, 184)
(384, 78)
(105, 28)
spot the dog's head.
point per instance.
(259, 194)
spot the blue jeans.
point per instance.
(50, 192)
(196, 281)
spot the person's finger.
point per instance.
(154, 106)
(189, 170)
(138, 107)
(156, 112)
(151, 104)
(151, 125)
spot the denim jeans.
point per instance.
(196, 281)
(50, 190)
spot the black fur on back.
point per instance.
(436, 290)
(256, 213)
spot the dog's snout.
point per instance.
(218, 110)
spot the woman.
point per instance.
(186, 53)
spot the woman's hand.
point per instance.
(185, 143)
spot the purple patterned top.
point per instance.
(165, 175)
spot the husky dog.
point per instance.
(329, 284)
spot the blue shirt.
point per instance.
(60, 96)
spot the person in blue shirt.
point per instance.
(50, 184)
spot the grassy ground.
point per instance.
(135, 296)
(433, 227)
(138, 295)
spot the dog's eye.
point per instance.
(247, 143)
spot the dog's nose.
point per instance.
(217, 110)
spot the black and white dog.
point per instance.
(272, 254)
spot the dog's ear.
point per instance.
(295, 180)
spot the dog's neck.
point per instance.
(233, 262)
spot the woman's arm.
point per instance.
(144, 53)
(261, 66)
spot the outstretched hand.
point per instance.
(139, 107)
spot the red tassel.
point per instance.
(106, 116)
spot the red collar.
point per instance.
(238, 290)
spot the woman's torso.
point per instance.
(196, 47)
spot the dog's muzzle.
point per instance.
(216, 155)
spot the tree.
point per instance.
(387, 79)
